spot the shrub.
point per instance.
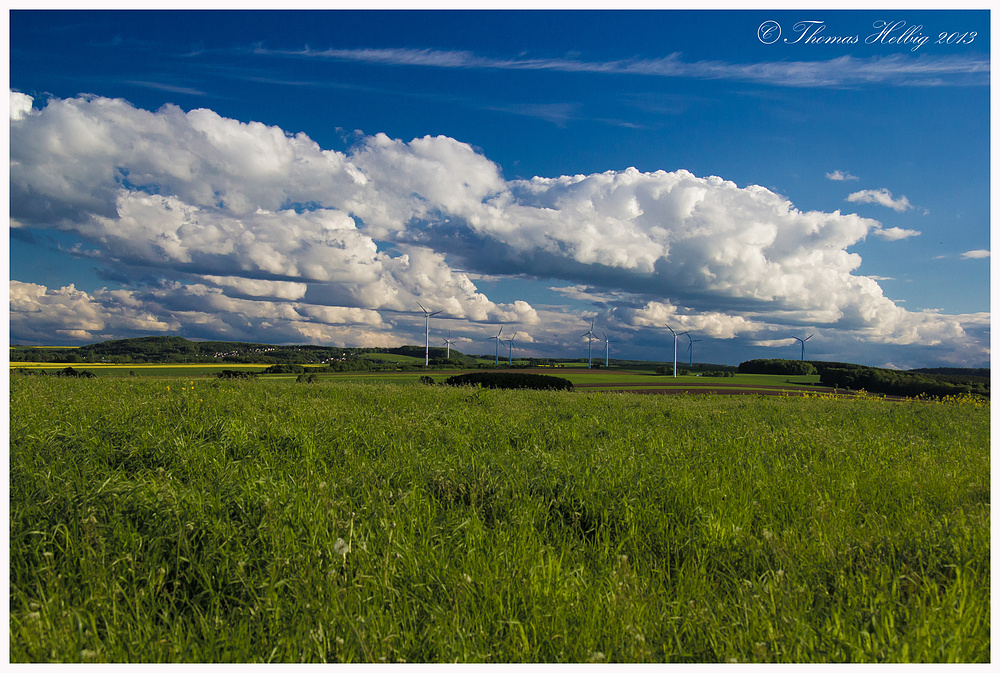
(69, 371)
(234, 374)
(510, 380)
(425, 380)
(285, 369)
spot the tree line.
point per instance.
(878, 380)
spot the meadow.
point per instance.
(613, 378)
(173, 520)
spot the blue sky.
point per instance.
(308, 177)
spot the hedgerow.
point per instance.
(510, 380)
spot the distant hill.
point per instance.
(168, 349)
(434, 352)
(171, 349)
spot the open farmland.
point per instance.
(160, 520)
(586, 380)
(178, 370)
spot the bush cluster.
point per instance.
(285, 369)
(69, 371)
(661, 370)
(509, 380)
(235, 374)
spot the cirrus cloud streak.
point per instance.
(896, 70)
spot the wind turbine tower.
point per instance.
(496, 359)
(803, 342)
(607, 349)
(448, 342)
(510, 350)
(691, 343)
(427, 342)
(590, 343)
(675, 347)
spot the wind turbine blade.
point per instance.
(421, 307)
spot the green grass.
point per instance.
(253, 521)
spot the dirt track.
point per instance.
(699, 387)
(691, 384)
(705, 389)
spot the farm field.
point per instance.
(160, 520)
(157, 370)
(592, 380)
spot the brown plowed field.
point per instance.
(692, 385)
(708, 390)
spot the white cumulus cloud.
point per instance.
(20, 105)
(882, 197)
(257, 231)
(895, 233)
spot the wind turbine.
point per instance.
(427, 343)
(496, 359)
(448, 342)
(675, 347)
(803, 342)
(510, 350)
(607, 348)
(691, 350)
(590, 344)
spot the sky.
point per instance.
(291, 177)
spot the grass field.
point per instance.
(161, 371)
(253, 521)
(588, 380)
(621, 379)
